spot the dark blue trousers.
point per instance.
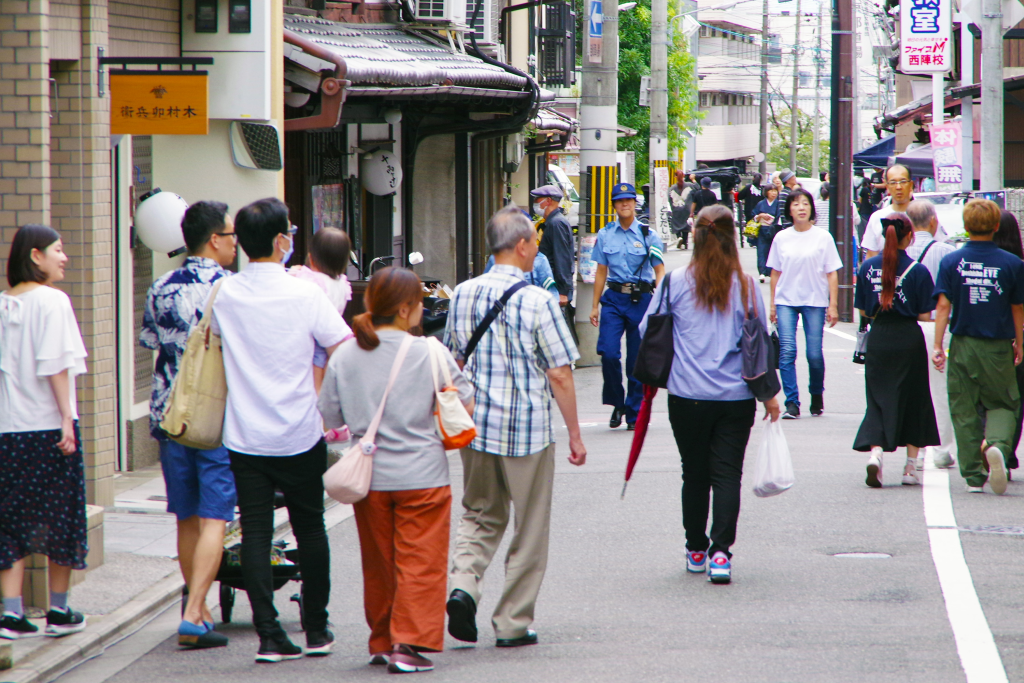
(618, 315)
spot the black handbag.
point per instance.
(760, 353)
(657, 348)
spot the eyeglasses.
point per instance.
(232, 235)
(898, 183)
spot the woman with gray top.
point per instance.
(404, 521)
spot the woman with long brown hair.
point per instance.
(404, 521)
(709, 405)
(896, 294)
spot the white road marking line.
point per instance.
(840, 333)
(979, 655)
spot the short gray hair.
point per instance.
(921, 212)
(507, 227)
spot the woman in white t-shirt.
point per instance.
(804, 283)
(42, 473)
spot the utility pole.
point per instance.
(991, 95)
(816, 150)
(841, 149)
(967, 105)
(658, 150)
(763, 142)
(794, 105)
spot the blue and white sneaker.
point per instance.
(720, 568)
(696, 561)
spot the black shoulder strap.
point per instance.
(664, 291)
(492, 314)
(920, 259)
(647, 252)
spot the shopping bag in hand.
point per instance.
(773, 471)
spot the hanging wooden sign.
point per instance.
(158, 103)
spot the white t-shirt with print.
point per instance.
(805, 259)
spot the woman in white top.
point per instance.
(405, 520)
(42, 473)
(804, 283)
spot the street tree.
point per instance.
(779, 119)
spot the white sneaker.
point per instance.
(874, 479)
(996, 470)
(975, 489)
(910, 479)
(943, 459)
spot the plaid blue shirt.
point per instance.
(507, 370)
(174, 305)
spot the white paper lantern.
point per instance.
(158, 222)
(381, 173)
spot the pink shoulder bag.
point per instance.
(348, 480)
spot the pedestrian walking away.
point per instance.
(42, 470)
(929, 252)
(272, 428)
(895, 295)
(516, 350)
(765, 213)
(1008, 239)
(984, 287)
(703, 197)
(630, 259)
(821, 207)
(200, 486)
(405, 519)
(711, 408)
(680, 200)
(804, 285)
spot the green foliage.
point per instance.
(780, 121)
(634, 62)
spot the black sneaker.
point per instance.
(14, 626)
(817, 404)
(792, 411)
(202, 642)
(405, 660)
(319, 643)
(277, 648)
(62, 622)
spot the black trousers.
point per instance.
(712, 439)
(300, 478)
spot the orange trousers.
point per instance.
(403, 539)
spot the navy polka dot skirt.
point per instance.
(42, 499)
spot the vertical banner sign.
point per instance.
(595, 31)
(158, 104)
(926, 45)
(658, 193)
(946, 161)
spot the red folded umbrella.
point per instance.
(643, 418)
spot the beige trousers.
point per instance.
(494, 483)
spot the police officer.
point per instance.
(631, 260)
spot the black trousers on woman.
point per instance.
(712, 439)
(300, 478)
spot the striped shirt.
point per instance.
(507, 370)
(931, 261)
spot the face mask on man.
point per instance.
(291, 250)
(538, 209)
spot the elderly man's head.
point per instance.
(512, 238)
(922, 215)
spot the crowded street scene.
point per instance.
(566, 340)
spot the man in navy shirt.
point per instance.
(984, 285)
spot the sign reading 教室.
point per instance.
(926, 45)
(158, 104)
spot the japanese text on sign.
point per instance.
(946, 162)
(158, 104)
(925, 42)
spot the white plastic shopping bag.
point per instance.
(773, 471)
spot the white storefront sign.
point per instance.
(926, 45)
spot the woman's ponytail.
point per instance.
(896, 228)
(388, 290)
(366, 336)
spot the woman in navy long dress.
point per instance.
(896, 292)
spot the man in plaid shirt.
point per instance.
(524, 357)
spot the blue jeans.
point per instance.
(814, 328)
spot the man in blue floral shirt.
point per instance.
(200, 486)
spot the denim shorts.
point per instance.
(198, 482)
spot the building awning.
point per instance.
(388, 56)
(909, 111)
(919, 161)
(875, 155)
(1010, 83)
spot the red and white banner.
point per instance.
(946, 157)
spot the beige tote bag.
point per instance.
(348, 480)
(452, 420)
(194, 416)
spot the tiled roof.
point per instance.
(388, 55)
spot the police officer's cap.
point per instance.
(547, 191)
(623, 191)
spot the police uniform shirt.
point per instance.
(981, 281)
(623, 252)
(911, 298)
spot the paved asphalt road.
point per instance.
(617, 604)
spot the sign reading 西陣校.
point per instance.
(158, 104)
(926, 44)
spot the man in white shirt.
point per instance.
(927, 251)
(900, 185)
(269, 323)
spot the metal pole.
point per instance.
(794, 105)
(991, 96)
(816, 149)
(967, 104)
(937, 99)
(763, 142)
(841, 149)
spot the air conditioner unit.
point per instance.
(440, 11)
(485, 28)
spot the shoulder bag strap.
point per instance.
(492, 314)
(920, 259)
(747, 308)
(437, 359)
(647, 254)
(664, 291)
(208, 310)
(371, 431)
(899, 280)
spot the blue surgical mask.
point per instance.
(291, 250)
